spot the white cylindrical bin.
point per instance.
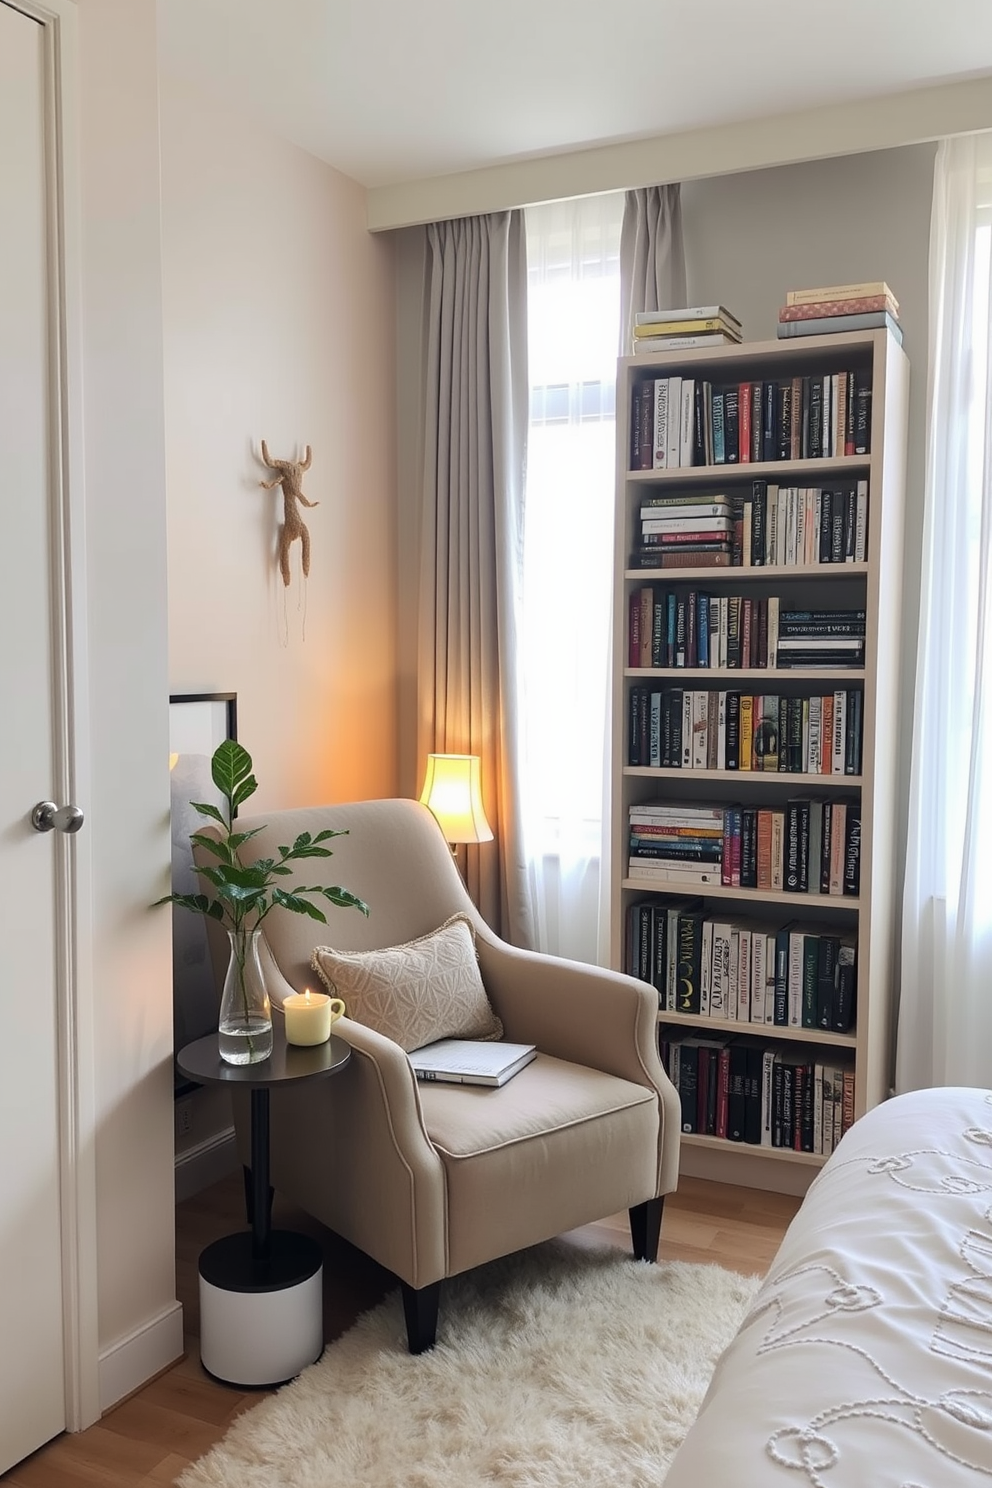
(260, 1322)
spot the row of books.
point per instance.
(766, 1095)
(681, 421)
(840, 308)
(736, 632)
(810, 845)
(768, 526)
(676, 728)
(681, 329)
(742, 971)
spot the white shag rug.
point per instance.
(556, 1367)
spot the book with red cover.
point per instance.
(856, 305)
(687, 557)
(634, 630)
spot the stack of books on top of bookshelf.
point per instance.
(680, 330)
(838, 308)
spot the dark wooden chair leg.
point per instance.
(420, 1307)
(249, 1197)
(645, 1228)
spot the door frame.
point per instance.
(73, 871)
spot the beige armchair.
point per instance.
(434, 1179)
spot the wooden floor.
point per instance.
(151, 1437)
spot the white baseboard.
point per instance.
(206, 1163)
(133, 1360)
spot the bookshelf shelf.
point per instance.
(752, 777)
(795, 1035)
(774, 1154)
(779, 470)
(805, 903)
(780, 675)
(773, 574)
(642, 907)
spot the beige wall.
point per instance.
(126, 833)
(410, 249)
(279, 323)
(749, 238)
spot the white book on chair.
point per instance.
(470, 1061)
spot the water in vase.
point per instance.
(245, 1021)
(242, 1042)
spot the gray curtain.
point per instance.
(652, 256)
(476, 408)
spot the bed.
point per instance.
(866, 1358)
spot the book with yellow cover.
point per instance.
(746, 732)
(685, 327)
(683, 343)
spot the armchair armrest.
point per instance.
(574, 1011)
(587, 1015)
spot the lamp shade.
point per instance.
(453, 791)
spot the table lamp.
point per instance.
(453, 792)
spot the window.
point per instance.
(573, 260)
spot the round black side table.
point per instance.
(261, 1316)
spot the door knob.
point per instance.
(47, 817)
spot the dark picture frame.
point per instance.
(198, 722)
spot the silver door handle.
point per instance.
(47, 817)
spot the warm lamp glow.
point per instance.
(453, 791)
(173, 761)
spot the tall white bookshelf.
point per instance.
(873, 585)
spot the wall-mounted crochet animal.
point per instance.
(290, 477)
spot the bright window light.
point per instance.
(573, 257)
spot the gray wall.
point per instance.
(751, 237)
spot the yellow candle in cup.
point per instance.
(309, 1016)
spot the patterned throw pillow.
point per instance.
(428, 989)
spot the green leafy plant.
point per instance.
(244, 893)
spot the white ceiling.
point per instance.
(390, 91)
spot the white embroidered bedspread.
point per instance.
(866, 1360)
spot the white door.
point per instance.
(32, 1388)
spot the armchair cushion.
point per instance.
(428, 989)
(564, 1140)
(548, 1096)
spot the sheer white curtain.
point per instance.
(945, 1013)
(573, 296)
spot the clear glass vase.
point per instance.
(245, 1024)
